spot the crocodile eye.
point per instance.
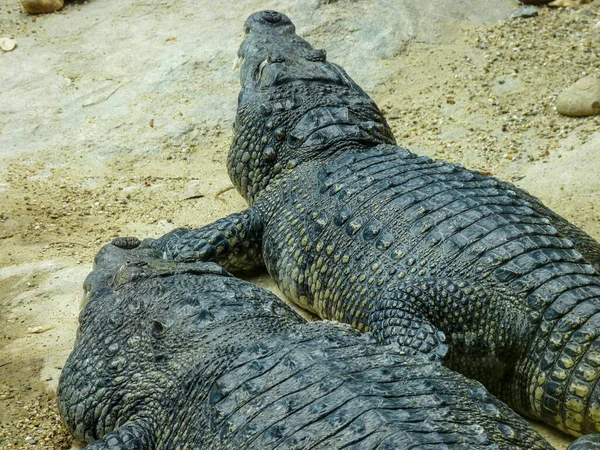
(158, 328)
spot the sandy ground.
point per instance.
(483, 96)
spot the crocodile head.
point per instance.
(294, 106)
(138, 335)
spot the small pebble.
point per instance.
(535, 2)
(580, 99)
(42, 6)
(7, 44)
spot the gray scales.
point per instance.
(181, 355)
(434, 257)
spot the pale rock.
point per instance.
(568, 3)
(42, 6)
(525, 12)
(580, 99)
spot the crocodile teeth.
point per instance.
(85, 298)
(239, 60)
(262, 66)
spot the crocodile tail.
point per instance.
(564, 365)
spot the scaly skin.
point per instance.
(420, 252)
(183, 356)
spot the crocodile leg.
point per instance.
(120, 440)
(396, 318)
(563, 371)
(132, 436)
(587, 442)
(234, 242)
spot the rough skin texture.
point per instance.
(427, 254)
(183, 356)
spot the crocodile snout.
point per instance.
(269, 21)
(270, 39)
(272, 54)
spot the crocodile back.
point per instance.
(321, 386)
(495, 269)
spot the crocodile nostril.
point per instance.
(277, 58)
(271, 16)
(317, 55)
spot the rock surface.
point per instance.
(80, 163)
(147, 64)
(580, 99)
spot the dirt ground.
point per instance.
(485, 99)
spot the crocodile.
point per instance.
(437, 258)
(182, 355)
